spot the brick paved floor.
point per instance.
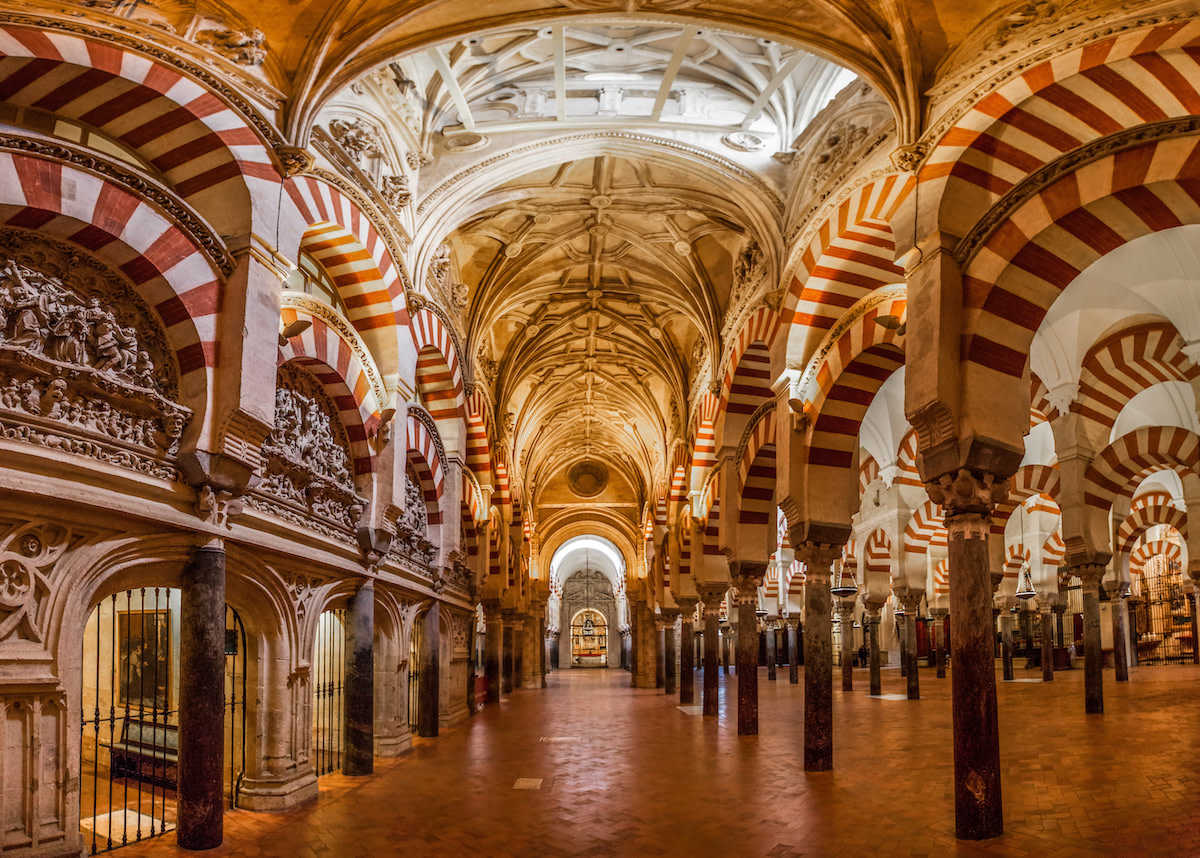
(625, 772)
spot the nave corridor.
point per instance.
(627, 772)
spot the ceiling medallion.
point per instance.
(743, 141)
(587, 478)
(470, 142)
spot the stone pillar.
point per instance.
(939, 619)
(493, 650)
(793, 633)
(1195, 629)
(772, 655)
(669, 652)
(687, 652)
(874, 615)
(1006, 643)
(846, 612)
(726, 633)
(554, 652)
(531, 663)
(746, 583)
(635, 644)
(518, 652)
(912, 604)
(818, 656)
(429, 681)
(660, 654)
(1120, 638)
(1059, 610)
(902, 633)
(358, 696)
(202, 699)
(711, 597)
(1093, 657)
(1047, 644)
(543, 647)
(968, 499)
(506, 661)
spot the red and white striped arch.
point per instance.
(322, 351)
(479, 449)
(1059, 105)
(439, 375)
(685, 543)
(206, 151)
(868, 470)
(756, 475)
(502, 496)
(851, 254)
(926, 529)
(1040, 409)
(748, 386)
(757, 335)
(679, 485)
(1150, 509)
(941, 578)
(1054, 549)
(1119, 468)
(704, 448)
(877, 556)
(1029, 480)
(167, 269)
(1123, 365)
(907, 473)
(1047, 241)
(425, 461)
(1153, 548)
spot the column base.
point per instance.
(393, 746)
(277, 794)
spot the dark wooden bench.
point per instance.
(148, 752)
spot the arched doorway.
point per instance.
(589, 639)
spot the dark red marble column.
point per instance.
(818, 656)
(1120, 639)
(978, 809)
(358, 696)
(429, 694)
(874, 615)
(506, 660)
(747, 584)
(912, 603)
(712, 639)
(670, 653)
(493, 650)
(1093, 656)
(939, 621)
(1047, 644)
(687, 653)
(772, 655)
(846, 612)
(201, 700)
(1006, 644)
(793, 633)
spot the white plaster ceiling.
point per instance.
(587, 552)
(1039, 446)
(884, 426)
(1171, 403)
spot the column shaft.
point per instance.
(518, 655)
(1047, 646)
(712, 638)
(493, 653)
(358, 694)
(771, 654)
(201, 700)
(1006, 644)
(910, 634)
(1093, 657)
(1120, 640)
(940, 637)
(506, 663)
(818, 665)
(977, 801)
(671, 678)
(747, 663)
(687, 658)
(429, 681)
(875, 655)
(793, 633)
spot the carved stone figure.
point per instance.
(358, 139)
(395, 190)
(244, 47)
(439, 268)
(841, 139)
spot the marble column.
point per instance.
(506, 664)
(660, 655)
(670, 653)
(200, 788)
(518, 652)
(967, 499)
(687, 652)
(635, 630)
(1093, 657)
(711, 597)
(746, 584)
(772, 655)
(543, 647)
(846, 612)
(818, 656)
(1047, 644)
(1059, 611)
(902, 633)
(939, 620)
(358, 695)
(1195, 629)
(1006, 643)
(912, 604)
(431, 673)
(726, 636)
(793, 633)
(874, 615)
(1120, 638)
(555, 637)
(531, 662)
(493, 650)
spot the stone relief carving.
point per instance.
(28, 552)
(412, 528)
(394, 189)
(401, 96)
(358, 139)
(306, 458)
(842, 138)
(244, 47)
(82, 360)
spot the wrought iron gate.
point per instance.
(329, 678)
(1161, 615)
(414, 672)
(129, 744)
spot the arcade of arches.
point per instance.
(363, 365)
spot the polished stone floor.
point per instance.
(591, 767)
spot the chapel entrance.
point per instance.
(589, 639)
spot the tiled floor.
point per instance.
(626, 772)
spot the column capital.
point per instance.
(909, 597)
(711, 593)
(967, 495)
(1090, 573)
(818, 557)
(687, 605)
(671, 614)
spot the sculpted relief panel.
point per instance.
(84, 364)
(307, 462)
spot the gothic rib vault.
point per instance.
(396, 325)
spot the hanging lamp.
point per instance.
(1024, 580)
(845, 586)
